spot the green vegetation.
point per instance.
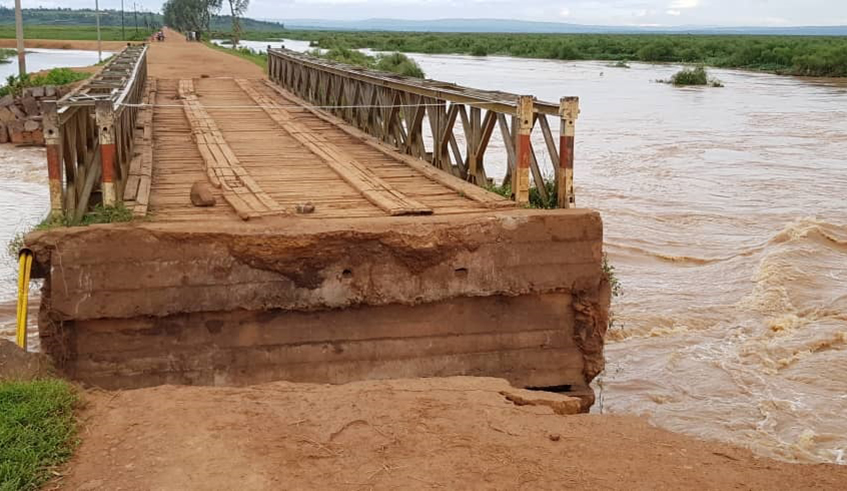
(394, 62)
(796, 55)
(6, 55)
(692, 76)
(260, 59)
(75, 33)
(99, 214)
(614, 282)
(37, 431)
(58, 76)
(535, 198)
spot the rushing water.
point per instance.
(23, 184)
(726, 220)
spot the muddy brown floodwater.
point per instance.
(726, 221)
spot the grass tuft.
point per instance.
(37, 431)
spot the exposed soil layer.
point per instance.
(454, 433)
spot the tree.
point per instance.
(237, 8)
(191, 15)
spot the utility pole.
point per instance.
(99, 43)
(123, 33)
(19, 34)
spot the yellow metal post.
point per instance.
(25, 265)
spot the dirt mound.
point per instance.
(453, 433)
(16, 364)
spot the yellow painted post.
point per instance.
(520, 179)
(568, 112)
(25, 268)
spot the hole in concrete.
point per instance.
(346, 274)
(461, 272)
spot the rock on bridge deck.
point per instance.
(292, 155)
(401, 270)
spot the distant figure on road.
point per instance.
(160, 36)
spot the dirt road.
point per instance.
(455, 433)
(178, 59)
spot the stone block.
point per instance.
(7, 100)
(201, 194)
(37, 92)
(30, 105)
(6, 115)
(31, 125)
(49, 91)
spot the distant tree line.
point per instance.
(65, 17)
(795, 55)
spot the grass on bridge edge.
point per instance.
(37, 430)
(260, 59)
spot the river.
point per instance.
(23, 186)
(726, 222)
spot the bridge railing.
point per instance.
(89, 135)
(445, 124)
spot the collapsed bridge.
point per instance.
(352, 235)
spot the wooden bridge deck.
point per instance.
(275, 154)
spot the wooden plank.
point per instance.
(238, 188)
(450, 181)
(371, 186)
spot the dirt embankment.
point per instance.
(65, 44)
(454, 433)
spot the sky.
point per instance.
(595, 12)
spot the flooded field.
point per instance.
(726, 221)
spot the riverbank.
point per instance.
(453, 433)
(787, 55)
(84, 45)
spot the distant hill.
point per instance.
(520, 26)
(111, 18)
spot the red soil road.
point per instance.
(451, 433)
(177, 59)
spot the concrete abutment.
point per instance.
(517, 294)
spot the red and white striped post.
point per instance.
(568, 112)
(520, 179)
(53, 142)
(105, 124)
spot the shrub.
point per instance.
(688, 76)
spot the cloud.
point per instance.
(684, 4)
(565, 12)
(673, 12)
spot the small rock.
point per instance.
(6, 115)
(30, 106)
(305, 208)
(554, 437)
(31, 125)
(17, 112)
(201, 194)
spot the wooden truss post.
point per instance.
(520, 178)
(53, 142)
(568, 112)
(104, 116)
